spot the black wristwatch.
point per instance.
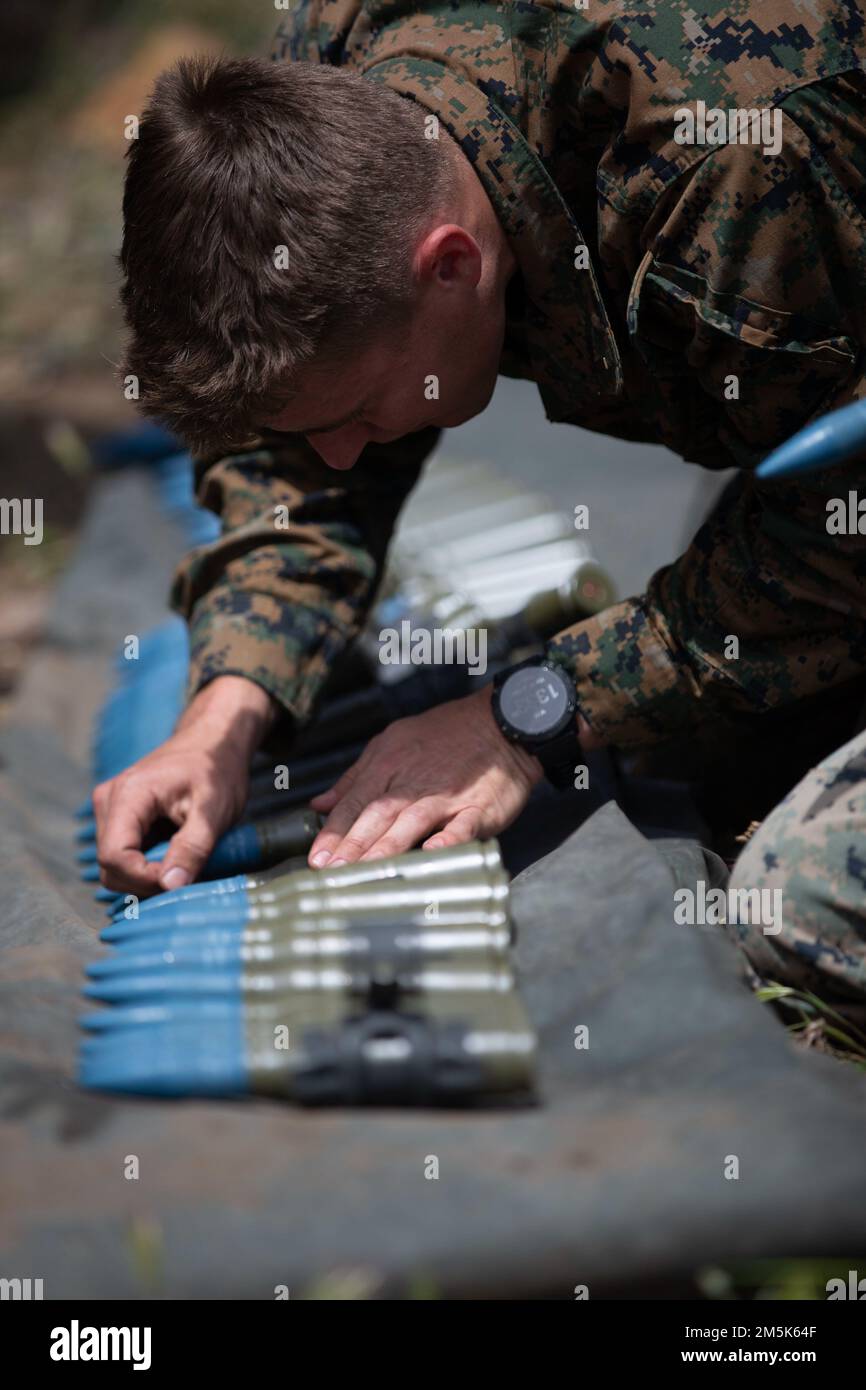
(535, 705)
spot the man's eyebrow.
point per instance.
(325, 429)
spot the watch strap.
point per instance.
(559, 758)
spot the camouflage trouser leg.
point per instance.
(813, 847)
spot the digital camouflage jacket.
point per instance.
(710, 297)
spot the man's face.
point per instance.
(439, 370)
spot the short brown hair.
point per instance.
(239, 164)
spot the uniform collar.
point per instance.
(574, 357)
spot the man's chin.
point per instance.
(469, 410)
(464, 416)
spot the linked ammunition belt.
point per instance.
(385, 982)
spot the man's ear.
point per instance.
(449, 255)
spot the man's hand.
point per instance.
(198, 779)
(448, 771)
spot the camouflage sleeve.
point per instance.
(742, 311)
(764, 608)
(316, 31)
(287, 586)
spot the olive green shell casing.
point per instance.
(441, 1047)
(478, 859)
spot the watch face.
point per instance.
(534, 701)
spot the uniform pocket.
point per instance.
(725, 370)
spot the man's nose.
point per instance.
(340, 448)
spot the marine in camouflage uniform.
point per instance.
(708, 297)
(812, 848)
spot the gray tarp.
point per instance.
(614, 1179)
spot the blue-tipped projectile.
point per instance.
(828, 441)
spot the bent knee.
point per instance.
(815, 936)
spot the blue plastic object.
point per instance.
(227, 911)
(167, 984)
(132, 1016)
(164, 903)
(197, 956)
(144, 443)
(172, 1058)
(823, 444)
(240, 846)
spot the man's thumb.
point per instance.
(187, 852)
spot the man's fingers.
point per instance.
(465, 826)
(323, 801)
(357, 833)
(339, 822)
(132, 873)
(354, 794)
(326, 800)
(100, 798)
(411, 825)
(126, 819)
(188, 850)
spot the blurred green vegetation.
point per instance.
(68, 73)
(58, 54)
(783, 1280)
(816, 1023)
